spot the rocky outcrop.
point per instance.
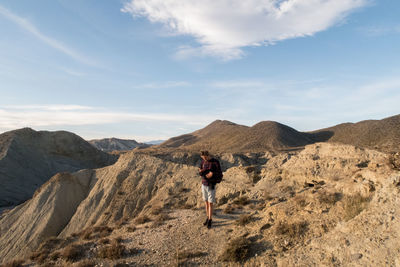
(29, 158)
(115, 144)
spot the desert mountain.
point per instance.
(383, 135)
(29, 158)
(327, 203)
(115, 144)
(226, 136)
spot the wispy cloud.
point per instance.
(12, 117)
(223, 28)
(160, 85)
(376, 31)
(32, 29)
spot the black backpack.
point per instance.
(217, 175)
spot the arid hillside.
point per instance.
(225, 136)
(326, 205)
(29, 158)
(116, 144)
(382, 135)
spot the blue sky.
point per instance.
(153, 69)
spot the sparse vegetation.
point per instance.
(301, 200)
(156, 210)
(294, 230)
(142, 219)
(14, 263)
(131, 228)
(184, 256)
(161, 218)
(228, 209)
(354, 205)
(256, 178)
(96, 232)
(237, 250)
(243, 201)
(244, 219)
(329, 198)
(87, 263)
(72, 253)
(113, 251)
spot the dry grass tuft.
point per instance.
(354, 205)
(294, 230)
(329, 198)
(244, 219)
(72, 253)
(161, 218)
(131, 228)
(156, 210)
(96, 232)
(14, 263)
(243, 201)
(186, 255)
(87, 263)
(113, 251)
(229, 209)
(237, 250)
(142, 219)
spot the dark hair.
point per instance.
(204, 153)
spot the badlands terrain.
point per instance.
(288, 198)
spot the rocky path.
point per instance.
(182, 240)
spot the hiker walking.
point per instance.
(210, 170)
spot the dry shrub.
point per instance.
(104, 241)
(267, 196)
(256, 178)
(121, 264)
(55, 255)
(156, 210)
(14, 263)
(301, 200)
(87, 263)
(243, 201)
(294, 230)
(354, 205)
(113, 251)
(186, 255)
(142, 219)
(96, 232)
(161, 218)
(228, 209)
(394, 161)
(40, 256)
(72, 253)
(131, 228)
(244, 219)
(329, 198)
(237, 250)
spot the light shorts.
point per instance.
(208, 193)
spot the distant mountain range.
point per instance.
(115, 144)
(29, 158)
(226, 136)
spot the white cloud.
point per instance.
(222, 28)
(29, 27)
(13, 117)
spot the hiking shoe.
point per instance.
(209, 224)
(206, 222)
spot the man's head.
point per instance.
(204, 154)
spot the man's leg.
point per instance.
(207, 208)
(210, 210)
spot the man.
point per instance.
(209, 169)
